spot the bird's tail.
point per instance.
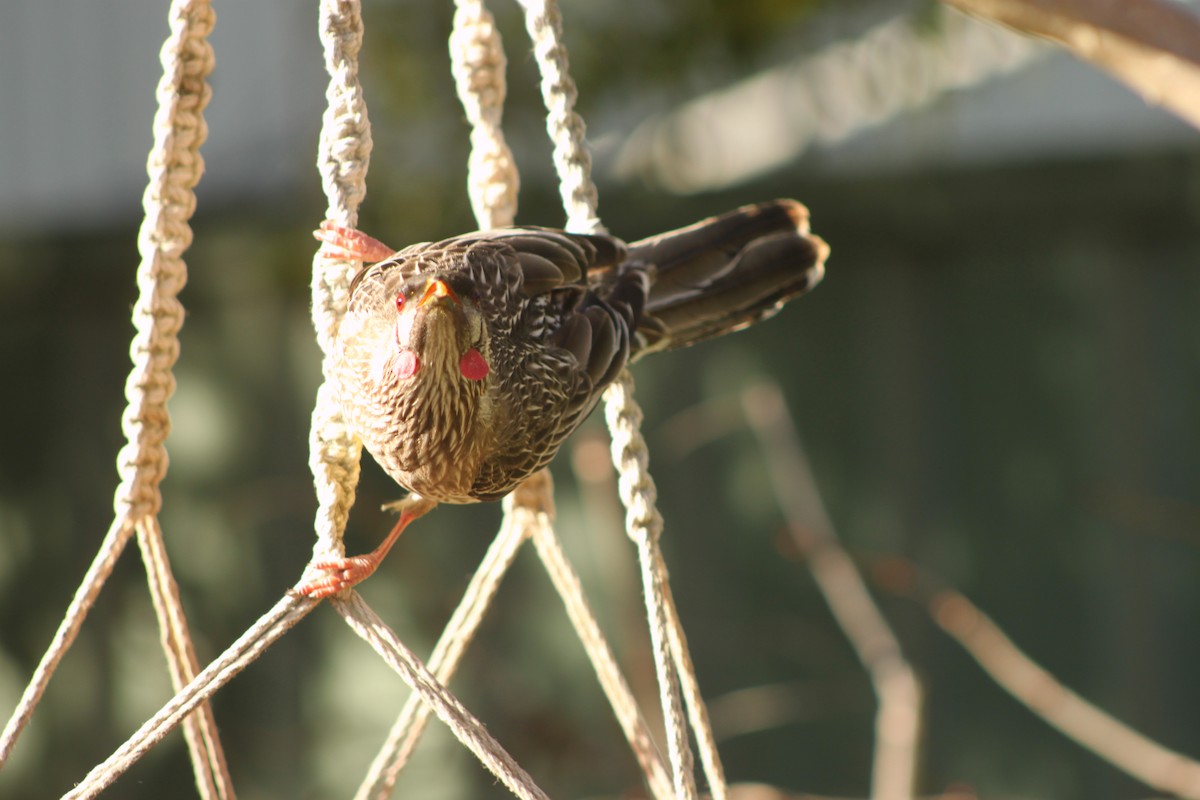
(726, 272)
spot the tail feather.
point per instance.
(727, 272)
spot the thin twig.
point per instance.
(1093, 728)
(898, 719)
(1151, 45)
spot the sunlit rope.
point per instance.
(630, 456)
(477, 59)
(477, 62)
(343, 157)
(174, 167)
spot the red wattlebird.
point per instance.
(464, 364)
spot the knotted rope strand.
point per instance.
(343, 154)
(566, 128)
(580, 198)
(478, 64)
(174, 167)
(643, 524)
(469, 730)
(444, 661)
(249, 646)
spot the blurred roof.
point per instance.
(79, 79)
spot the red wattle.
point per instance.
(473, 365)
(407, 364)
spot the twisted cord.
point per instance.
(565, 126)
(200, 728)
(276, 622)
(174, 167)
(343, 155)
(478, 64)
(447, 654)
(469, 730)
(706, 743)
(615, 687)
(643, 524)
(344, 151)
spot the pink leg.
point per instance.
(351, 244)
(346, 572)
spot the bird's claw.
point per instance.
(341, 574)
(340, 242)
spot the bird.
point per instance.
(463, 365)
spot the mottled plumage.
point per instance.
(464, 364)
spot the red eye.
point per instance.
(399, 301)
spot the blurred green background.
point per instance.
(998, 380)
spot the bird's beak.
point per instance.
(437, 289)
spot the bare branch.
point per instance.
(1104, 735)
(1151, 45)
(898, 719)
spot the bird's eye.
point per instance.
(399, 301)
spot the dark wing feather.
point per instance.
(577, 305)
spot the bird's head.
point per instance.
(439, 331)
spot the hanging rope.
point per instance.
(446, 656)
(174, 168)
(344, 153)
(565, 126)
(643, 523)
(478, 63)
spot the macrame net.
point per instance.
(478, 63)
(175, 167)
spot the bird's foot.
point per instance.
(340, 242)
(342, 573)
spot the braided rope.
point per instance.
(174, 168)
(643, 524)
(343, 154)
(566, 128)
(446, 656)
(615, 687)
(469, 730)
(248, 647)
(478, 63)
(342, 161)
(199, 729)
(706, 743)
